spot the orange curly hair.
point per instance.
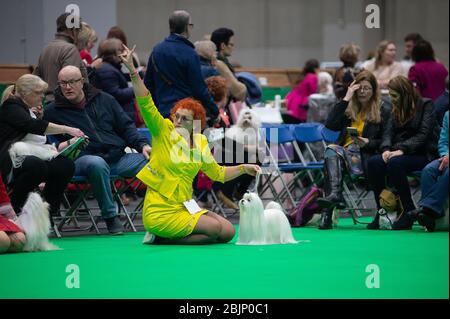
(192, 105)
(217, 87)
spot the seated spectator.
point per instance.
(206, 51)
(109, 77)
(384, 67)
(219, 90)
(297, 99)
(86, 41)
(408, 145)
(362, 109)
(242, 145)
(19, 123)
(12, 238)
(441, 104)
(62, 49)
(345, 75)
(410, 42)
(320, 104)
(110, 131)
(427, 75)
(223, 38)
(434, 185)
(117, 33)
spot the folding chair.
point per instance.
(74, 213)
(276, 139)
(138, 209)
(352, 202)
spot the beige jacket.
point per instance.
(59, 53)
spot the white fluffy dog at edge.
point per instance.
(259, 226)
(35, 222)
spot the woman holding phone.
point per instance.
(360, 118)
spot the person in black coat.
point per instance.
(110, 79)
(409, 143)
(20, 121)
(110, 131)
(362, 109)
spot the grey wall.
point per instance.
(269, 33)
(285, 33)
(27, 25)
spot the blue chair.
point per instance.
(329, 136)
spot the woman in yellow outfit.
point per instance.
(177, 156)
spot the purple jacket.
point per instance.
(429, 78)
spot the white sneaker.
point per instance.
(149, 238)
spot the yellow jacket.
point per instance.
(172, 164)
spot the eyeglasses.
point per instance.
(182, 118)
(191, 25)
(365, 88)
(70, 83)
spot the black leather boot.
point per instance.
(326, 220)
(375, 223)
(333, 184)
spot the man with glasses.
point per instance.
(173, 71)
(223, 39)
(110, 131)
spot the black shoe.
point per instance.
(114, 225)
(375, 224)
(331, 202)
(405, 222)
(427, 220)
(326, 220)
(333, 184)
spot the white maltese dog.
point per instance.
(246, 133)
(259, 226)
(35, 222)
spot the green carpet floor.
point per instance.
(327, 264)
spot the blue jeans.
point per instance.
(98, 171)
(434, 186)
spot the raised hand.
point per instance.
(351, 91)
(127, 58)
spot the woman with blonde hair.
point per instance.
(20, 121)
(384, 67)
(409, 143)
(363, 112)
(86, 41)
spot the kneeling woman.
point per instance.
(361, 109)
(178, 154)
(408, 145)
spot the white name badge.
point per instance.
(192, 206)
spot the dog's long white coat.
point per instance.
(34, 220)
(259, 226)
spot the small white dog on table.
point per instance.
(262, 226)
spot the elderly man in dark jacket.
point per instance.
(173, 71)
(109, 130)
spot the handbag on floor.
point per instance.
(391, 208)
(306, 208)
